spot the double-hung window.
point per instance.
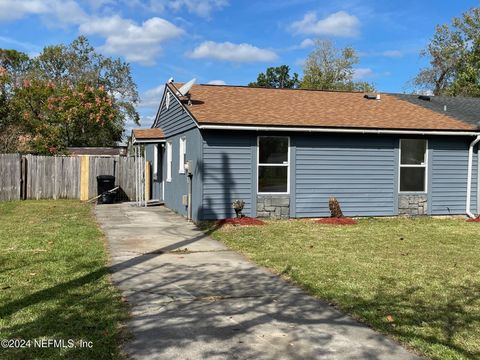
(273, 164)
(182, 154)
(413, 165)
(169, 161)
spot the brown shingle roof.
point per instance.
(239, 105)
(154, 133)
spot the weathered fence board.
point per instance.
(58, 177)
(10, 177)
(52, 177)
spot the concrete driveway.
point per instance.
(192, 298)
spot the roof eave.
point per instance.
(341, 130)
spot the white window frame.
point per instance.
(155, 161)
(169, 161)
(287, 165)
(424, 165)
(182, 145)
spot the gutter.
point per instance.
(337, 130)
(147, 141)
(469, 177)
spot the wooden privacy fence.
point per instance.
(10, 177)
(63, 177)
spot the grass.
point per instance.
(54, 283)
(417, 280)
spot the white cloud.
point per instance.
(140, 43)
(362, 73)
(228, 51)
(199, 7)
(202, 8)
(137, 43)
(65, 12)
(306, 43)
(216, 82)
(340, 24)
(392, 53)
(147, 121)
(151, 97)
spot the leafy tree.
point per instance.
(329, 68)
(454, 54)
(69, 95)
(78, 63)
(57, 116)
(277, 77)
(12, 65)
(363, 86)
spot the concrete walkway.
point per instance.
(192, 298)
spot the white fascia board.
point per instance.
(147, 141)
(339, 130)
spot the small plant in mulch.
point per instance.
(336, 213)
(238, 206)
(477, 219)
(241, 221)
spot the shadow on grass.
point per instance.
(257, 299)
(449, 323)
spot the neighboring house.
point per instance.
(98, 151)
(286, 152)
(153, 140)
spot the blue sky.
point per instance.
(229, 41)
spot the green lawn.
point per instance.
(415, 279)
(54, 283)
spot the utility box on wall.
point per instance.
(185, 200)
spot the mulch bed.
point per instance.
(477, 219)
(241, 221)
(337, 221)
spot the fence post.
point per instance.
(23, 181)
(84, 176)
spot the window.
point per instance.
(273, 164)
(155, 161)
(169, 161)
(413, 165)
(183, 155)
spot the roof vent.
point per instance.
(424, 97)
(372, 96)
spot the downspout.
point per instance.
(469, 176)
(478, 180)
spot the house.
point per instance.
(98, 151)
(286, 152)
(151, 139)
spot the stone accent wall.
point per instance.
(412, 205)
(273, 206)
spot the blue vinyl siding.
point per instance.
(178, 186)
(175, 119)
(360, 171)
(448, 180)
(228, 163)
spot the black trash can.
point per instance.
(105, 183)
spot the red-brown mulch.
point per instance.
(241, 221)
(338, 221)
(477, 219)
